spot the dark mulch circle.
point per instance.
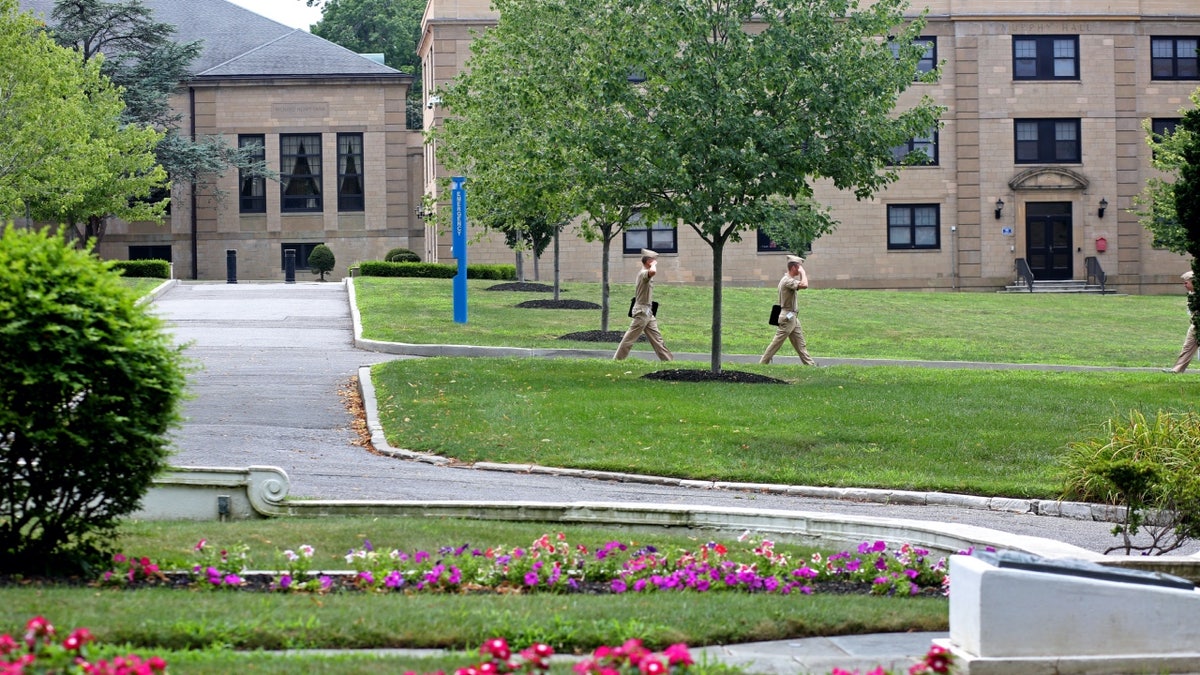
(702, 375)
(523, 287)
(598, 336)
(558, 304)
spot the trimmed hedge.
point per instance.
(150, 269)
(379, 268)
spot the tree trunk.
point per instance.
(520, 266)
(718, 249)
(606, 247)
(556, 273)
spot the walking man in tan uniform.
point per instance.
(1189, 342)
(789, 322)
(643, 313)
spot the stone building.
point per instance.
(1039, 156)
(329, 121)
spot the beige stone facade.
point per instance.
(1050, 216)
(391, 171)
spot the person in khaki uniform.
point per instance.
(789, 322)
(643, 313)
(1189, 342)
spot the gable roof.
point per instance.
(236, 42)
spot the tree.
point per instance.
(64, 148)
(1155, 206)
(718, 116)
(90, 386)
(140, 57)
(321, 260)
(390, 27)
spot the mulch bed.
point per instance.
(704, 375)
(558, 304)
(522, 287)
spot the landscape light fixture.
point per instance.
(999, 207)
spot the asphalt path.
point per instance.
(272, 362)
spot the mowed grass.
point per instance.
(1099, 330)
(984, 432)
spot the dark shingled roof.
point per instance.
(239, 43)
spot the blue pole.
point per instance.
(458, 218)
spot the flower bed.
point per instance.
(552, 564)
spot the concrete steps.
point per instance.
(1063, 286)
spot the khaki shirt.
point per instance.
(642, 295)
(788, 286)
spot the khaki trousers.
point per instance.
(1188, 351)
(643, 322)
(789, 329)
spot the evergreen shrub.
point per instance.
(149, 269)
(401, 255)
(90, 385)
(321, 260)
(378, 268)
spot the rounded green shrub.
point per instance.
(321, 260)
(401, 255)
(90, 385)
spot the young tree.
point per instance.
(1155, 206)
(321, 260)
(718, 116)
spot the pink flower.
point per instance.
(677, 654)
(497, 647)
(651, 665)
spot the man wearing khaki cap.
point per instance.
(1189, 342)
(643, 312)
(789, 322)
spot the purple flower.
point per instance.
(394, 579)
(881, 563)
(618, 586)
(366, 577)
(326, 582)
(367, 545)
(531, 579)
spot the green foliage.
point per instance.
(150, 269)
(66, 154)
(321, 260)
(90, 385)
(1150, 467)
(726, 128)
(390, 27)
(401, 255)
(140, 57)
(1155, 207)
(377, 268)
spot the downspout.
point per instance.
(954, 257)
(192, 186)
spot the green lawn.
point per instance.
(1100, 330)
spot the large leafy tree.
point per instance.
(65, 148)
(720, 116)
(138, 54)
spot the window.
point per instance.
(1163, 126)
(252, 190)
(350, 168)
(914, 226)
(157, 252)
(660, 237)
(1046, 58)
(1174, 58)
(767, 245)
(926, 145)
(300, 172)
(302, 253)
(928, 60)
(1047, 141)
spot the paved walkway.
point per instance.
(274, 357)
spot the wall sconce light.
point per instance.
(999, 207)
(1103, 205)
(422, 213)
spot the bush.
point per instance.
(377, 268)
(321, 260)
(149, 269)
(401, 255)
(90, 385)
(1148, 467)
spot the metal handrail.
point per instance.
(1094, 271)
(1024, 273)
